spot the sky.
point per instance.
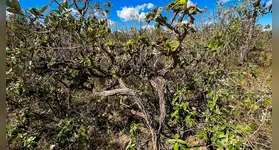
(127, 13)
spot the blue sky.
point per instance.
(123, 9)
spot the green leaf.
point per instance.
(43, 9)
(267, 26)
(88, 62)
(70, 26)
(184, 147)
(65, 4)
(53, 24)
(11, 10)
(53, 18)
(172, 140)
(52, 61)
(176, 146)
(8, 3)
(92, 32)
(254, 106)
(130, 42)
(57, 11)
(110, 43)
(46, 20)
(180, 141)
(16, 5)
(210, 46)
(183, 2)
(174, 44)
(267, 102)
(34, 11)
(113, 72)
(210, 94)
(215, 98)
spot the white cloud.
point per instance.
(100, 14)
(269, 3)
(97, 14)
(190, 3)
(150, 6)
(74, 12)
(148, 27)
(184, 21)
(224, 1)
(134, 13)
(111, 23)
(208, 23)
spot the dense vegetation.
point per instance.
(74, 83)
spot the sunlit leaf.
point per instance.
(43, 9)
(174, 44)
(34, 11)
(16, 5)
(110, 43)
(175, 146)
(11, 10)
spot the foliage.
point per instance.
(74, 83)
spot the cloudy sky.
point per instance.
(126, 13)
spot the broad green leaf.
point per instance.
(254, 106)
(176, 146)
(172, 140)
(110, 43)
(267, 26)
(182, 25)
(210, 94)
(174, 44)
(267, 102)
(43, 9)
(92, 33)
(57, 11)
(181, 141)
(215, 98)
(16, 5)
(11, 10)
(88, 62)
(35, 12)
(113, 72)
(184, 147)
(183, 2)
(130, 42)
(53, 24)
(53, 18)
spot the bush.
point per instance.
(74, 83)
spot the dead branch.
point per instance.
(144, 113)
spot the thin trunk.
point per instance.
(159, 83)
(249, 43)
